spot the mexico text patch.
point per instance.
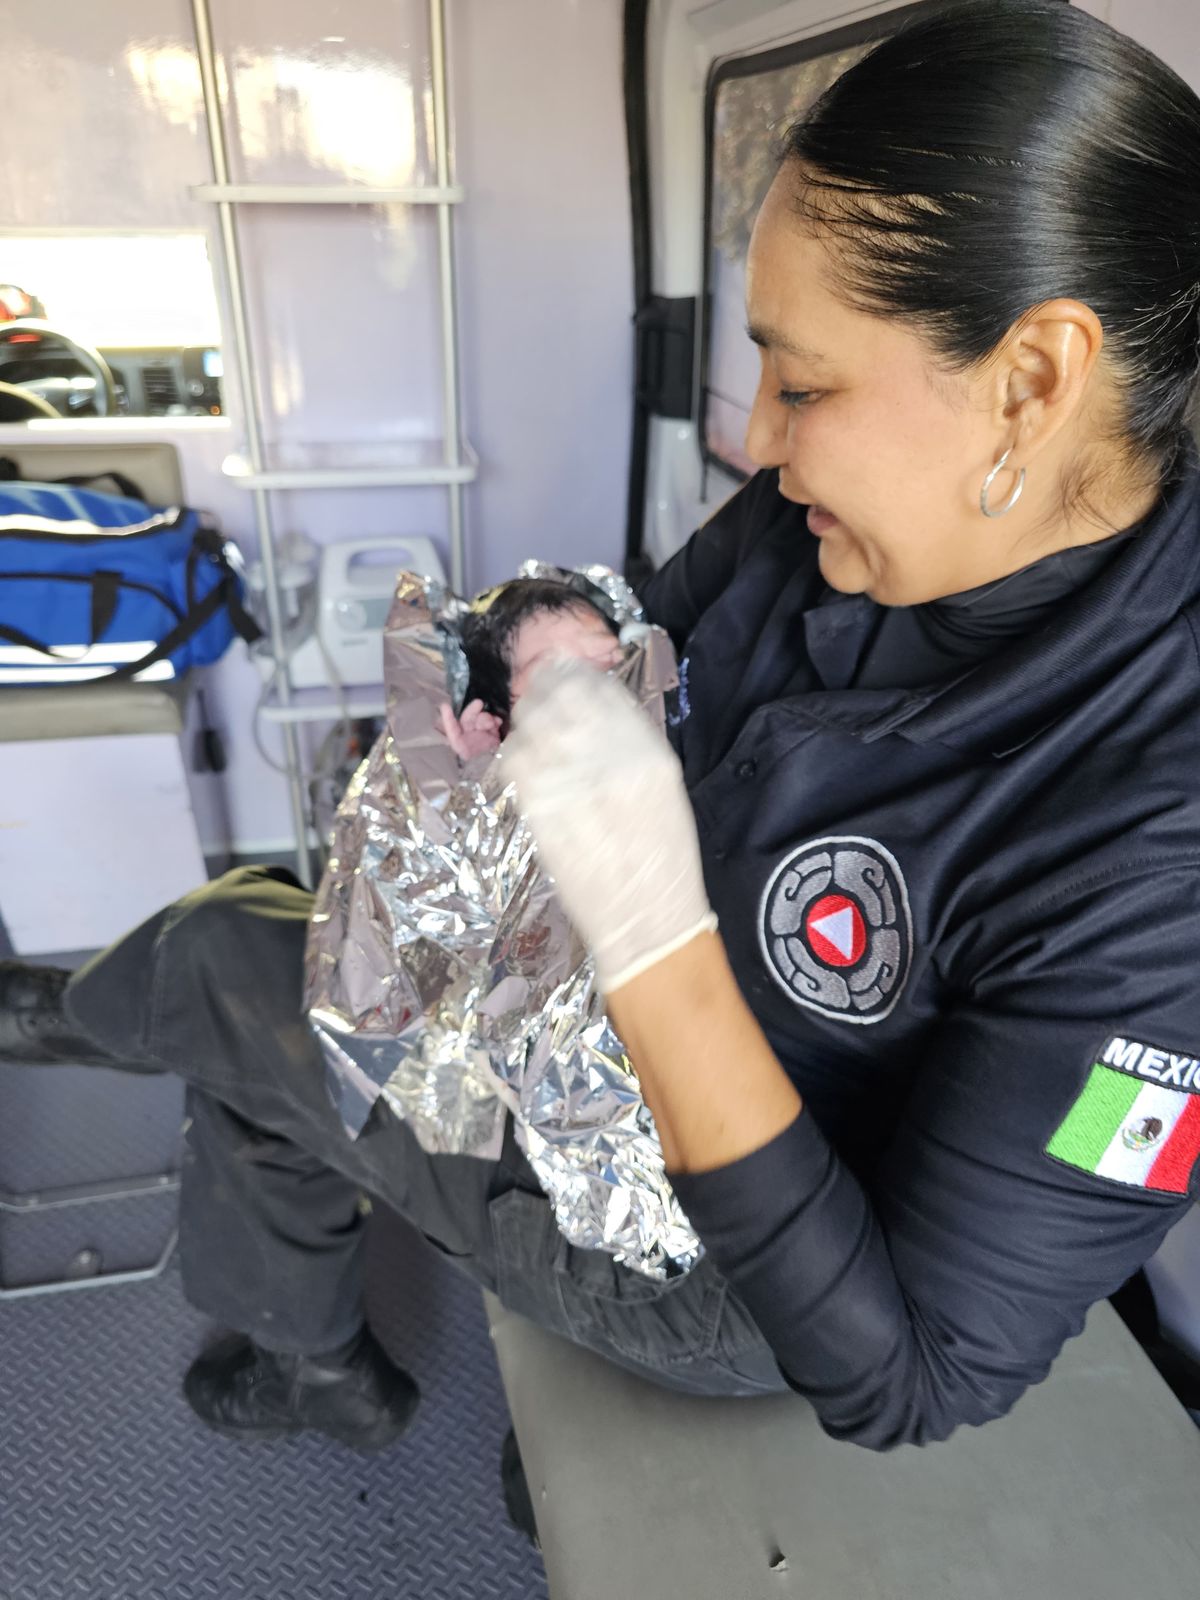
(1137, 1119)
(835, 928)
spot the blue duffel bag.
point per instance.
(103, 586)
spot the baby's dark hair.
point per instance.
(490, 628)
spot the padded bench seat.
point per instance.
(90, 710)
(1087, 1491)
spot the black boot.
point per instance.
(354, 1395)
(34, 1028)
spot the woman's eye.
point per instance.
(798, 397)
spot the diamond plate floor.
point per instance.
(109, 1490)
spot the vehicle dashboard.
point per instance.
(160, 381)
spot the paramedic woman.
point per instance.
(930, 1087)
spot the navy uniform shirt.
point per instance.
(967, 916)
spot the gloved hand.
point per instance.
(604, 796)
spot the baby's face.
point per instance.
(581, 634)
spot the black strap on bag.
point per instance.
(222, 596)
(106, 589)
(93, 480)
(195, 619)
(28, 642)
(209, 542)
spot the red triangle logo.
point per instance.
(836, 931)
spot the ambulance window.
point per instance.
(145, 301)
(750, 102)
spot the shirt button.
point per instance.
(745, 770)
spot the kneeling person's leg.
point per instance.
(270, 1226)
(211, 988)
(271, 1245)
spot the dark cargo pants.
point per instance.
(271, 1229)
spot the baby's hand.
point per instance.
(476, 733)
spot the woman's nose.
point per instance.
(766, 432)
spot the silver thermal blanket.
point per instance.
(441, 972)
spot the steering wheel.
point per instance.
(20, 339)
(19, 405)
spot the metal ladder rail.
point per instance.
(231, 266)
(221, 194)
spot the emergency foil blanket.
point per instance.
(441, 972)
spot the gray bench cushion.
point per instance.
(1088, 1491)
(151, 464)
(90, 710)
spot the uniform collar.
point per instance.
(1009, 698)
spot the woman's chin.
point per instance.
(842, 566)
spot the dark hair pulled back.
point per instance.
(999, 154)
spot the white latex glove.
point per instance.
(603, 793)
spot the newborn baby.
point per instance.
(507, 634)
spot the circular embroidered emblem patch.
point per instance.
(836, 930)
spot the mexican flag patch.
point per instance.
(1137, 1119)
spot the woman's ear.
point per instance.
(1043, 373)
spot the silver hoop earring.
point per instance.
(990, 480)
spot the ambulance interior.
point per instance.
(442, 285)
